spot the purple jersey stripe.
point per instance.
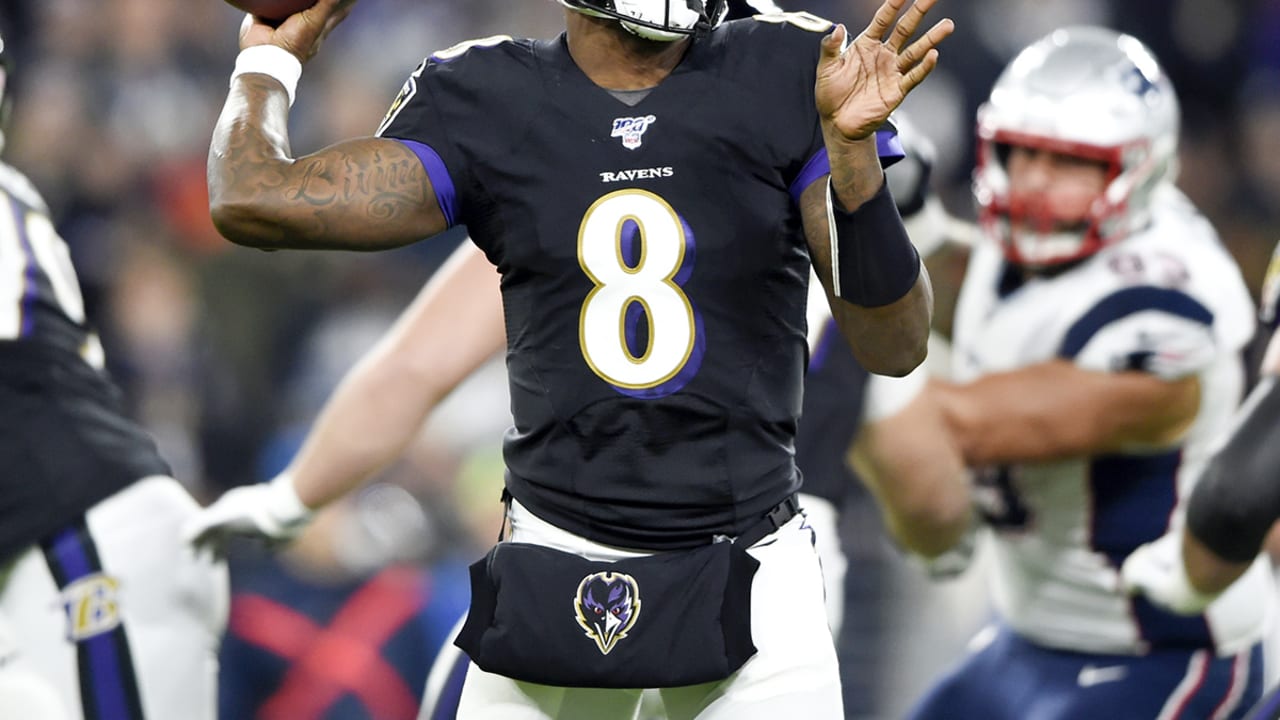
(26, 309)
(106, 678)
(446, 195)
(819, 356)
(451, 694)
(817, 166)
(888, 146)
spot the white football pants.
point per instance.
(793, 674)
(117, 618)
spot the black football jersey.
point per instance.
(39, 292)
(654, 269)
(834, 394)
(65, 442)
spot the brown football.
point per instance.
(272, 9)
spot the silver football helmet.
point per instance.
(1087, 92)
(746, 8)
(663, 20)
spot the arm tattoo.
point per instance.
(366, 193)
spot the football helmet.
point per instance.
(663, 20)
(739, 9)
(1087, 92)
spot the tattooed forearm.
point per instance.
(383, 174)
(367, 193)
(317, 184)
(390, 185)
(373, 180)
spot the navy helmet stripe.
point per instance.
(1126, 302)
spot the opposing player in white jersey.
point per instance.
(1098, 352)
(104, 612)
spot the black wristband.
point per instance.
(1237, 498)
(873, 261)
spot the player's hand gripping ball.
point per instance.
(272, 9)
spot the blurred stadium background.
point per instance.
(226, 354)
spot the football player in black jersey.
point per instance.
(105, 612)
(380, 404)
(651, 186)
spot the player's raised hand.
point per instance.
(270, 510)
(860, 85)
(300, 33)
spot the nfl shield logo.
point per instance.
(631, 129)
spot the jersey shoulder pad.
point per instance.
(482, 63)
(775, 37)
(801, 20)
(1165, 331)
(1177, 251)
(1168, 299)
(485, 48)
(1182, 250)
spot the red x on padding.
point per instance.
(342, 658)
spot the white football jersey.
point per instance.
(1169, 301)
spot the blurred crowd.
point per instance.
(226, 354)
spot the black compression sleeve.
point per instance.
(1238, 498)
(873, 260)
